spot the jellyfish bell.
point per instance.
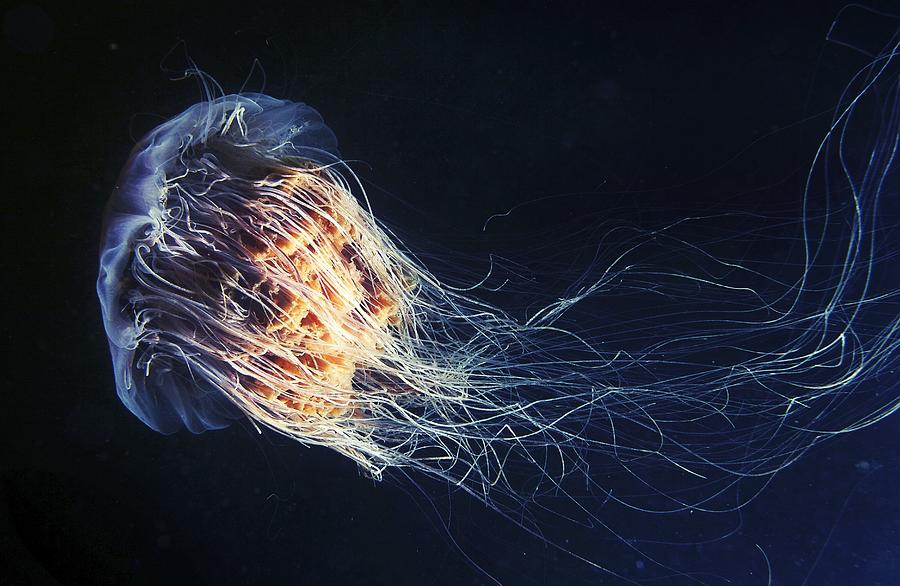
(240, 276)
(153, 375)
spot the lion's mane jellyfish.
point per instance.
(238, 271)
(243, 274)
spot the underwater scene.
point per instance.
(385, 293)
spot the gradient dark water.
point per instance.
(456, 116)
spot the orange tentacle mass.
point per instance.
(324, 300)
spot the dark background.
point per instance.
(455, 115)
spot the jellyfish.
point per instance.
(245, 275)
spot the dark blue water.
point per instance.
(455, 116)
